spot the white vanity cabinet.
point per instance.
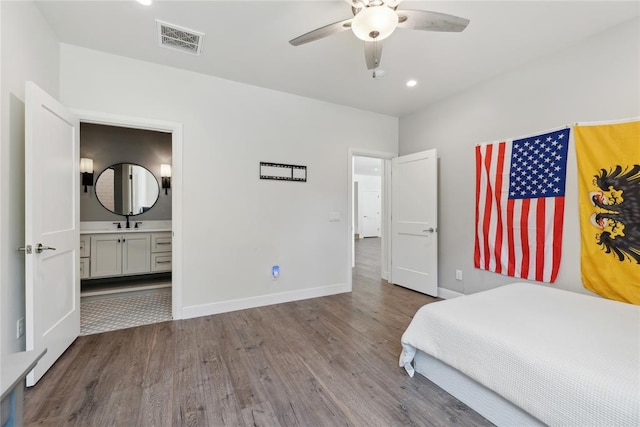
(120, 254)
(124, 253)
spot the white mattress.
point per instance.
(565, 358)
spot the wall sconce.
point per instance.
(165, 173)
(86, 169)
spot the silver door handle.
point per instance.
(429, 230)
(40, 248)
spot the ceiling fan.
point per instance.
(375, 20)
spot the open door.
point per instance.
(52, 224)
(414, 222)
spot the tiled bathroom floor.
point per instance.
(120, 311)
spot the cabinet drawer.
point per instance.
(161, 262)
(85, 246)
(84, 268)
(161, 242)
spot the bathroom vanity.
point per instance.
(115, 253)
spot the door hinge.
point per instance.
(27, 249)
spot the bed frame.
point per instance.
(487, 403)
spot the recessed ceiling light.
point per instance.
(411, 83)
(145, 2)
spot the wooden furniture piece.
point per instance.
(15, 368)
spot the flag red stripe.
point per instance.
(498, 197)
(487, 207)
(511, 263)
(524, 237)
(540, 238)
(476, 250)
(557, 237)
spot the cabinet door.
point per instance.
(136, 253)
(106, 255)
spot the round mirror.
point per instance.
(127, 189)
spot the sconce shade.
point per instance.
(165, 174)
(86, 169)
(86, 165)
(374, 23)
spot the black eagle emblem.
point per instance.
(618, 212)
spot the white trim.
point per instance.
(261, 301)
(175, 128)
(448, 294)
(386, 209)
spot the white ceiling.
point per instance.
(248, 42)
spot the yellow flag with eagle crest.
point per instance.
(609, 205)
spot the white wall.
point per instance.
(596, 80)
(30, 51)
(235, 226)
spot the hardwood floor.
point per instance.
(321, 362)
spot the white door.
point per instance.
(370, 210)
(52, 224)
(414, 222)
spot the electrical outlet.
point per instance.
(458, 274)
(20, 328)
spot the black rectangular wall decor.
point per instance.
(282, 172)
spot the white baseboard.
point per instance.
(385, 275)
(260, 301)
(447, 294)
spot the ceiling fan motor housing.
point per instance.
(374, 23)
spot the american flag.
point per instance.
(520, 187)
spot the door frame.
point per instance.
(385, 194)
(175, 128)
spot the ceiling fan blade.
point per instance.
(356, 4)
(393, 3)
(430, 21)
(373, 54)
(322, 32)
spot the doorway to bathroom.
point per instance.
(126, 227)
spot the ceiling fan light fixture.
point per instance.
(374, 23)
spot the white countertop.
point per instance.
(126, 230)
(107, 227)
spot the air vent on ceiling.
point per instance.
(179, 38)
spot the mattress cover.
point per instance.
(565, 358)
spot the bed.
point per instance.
(526, 354)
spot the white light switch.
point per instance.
(334, 216)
